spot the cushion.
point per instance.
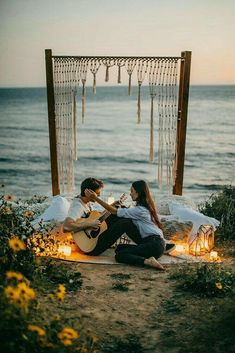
(184, 213)
(163, 203)
(57, 211)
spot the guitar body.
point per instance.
(87, 240)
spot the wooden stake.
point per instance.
(182, 120)
(51, 123)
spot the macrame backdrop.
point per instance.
(161, 74)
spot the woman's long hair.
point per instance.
(145, 199)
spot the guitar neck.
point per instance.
(105, 215)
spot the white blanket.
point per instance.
(185, 213)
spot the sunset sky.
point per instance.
(121, 27)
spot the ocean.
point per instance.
(112, 146)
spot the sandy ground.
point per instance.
(145, 303)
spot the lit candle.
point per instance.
(65, 250)
(206, 244)
(179, 248)
(198, 249)
(213, 255)
(110, 200)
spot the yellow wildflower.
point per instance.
(219, 285)
(22, 303)
(61, 288)
(67, 335)
(16, 244)
(27, 292)
(60, 296)
(28, 214)
(61, 292)
(12, 293)
(14, 275)
(34, 328)
(9, 197)
(67, 341)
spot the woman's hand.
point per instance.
(91, 194)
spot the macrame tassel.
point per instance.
(94, 83)
(129, 86)
(83, 101)
(75, 126)
(151, 133)
(138, 105)
(107, 74)
(119, 74)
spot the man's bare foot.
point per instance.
(152, 262)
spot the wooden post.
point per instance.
(51, 123)
(182, 120)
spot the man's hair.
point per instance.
(91, 183)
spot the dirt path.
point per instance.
(118, 301)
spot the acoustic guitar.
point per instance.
(88, 238)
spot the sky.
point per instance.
(116, 27)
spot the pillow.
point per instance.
(179, 232)
(163, 203)
(57, 211)
(183, 213)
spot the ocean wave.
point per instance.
(205, 186)
(113, 159)
(23, 128)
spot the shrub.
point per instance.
(221, 205)
(23, 329)
(129, 343)
(205, 280)
(59, 274)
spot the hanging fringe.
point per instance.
(107, 74)
(119, 74)
(138, 105)
(83, 101)
(163, 84)
(151, 154)
(120, 63)
(74, 126)
(129, 86)
(94, 83)
(94, 67)
(142, 67)
(130, 65)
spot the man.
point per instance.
(82, 206)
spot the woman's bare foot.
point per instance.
(152, 262)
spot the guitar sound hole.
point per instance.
(94, 233)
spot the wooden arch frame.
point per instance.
(183, 96)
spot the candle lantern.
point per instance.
(180, 248)
(65, 250)
(214, 256)
(110, 199)
(203, 241)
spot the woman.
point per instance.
(150, 243)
